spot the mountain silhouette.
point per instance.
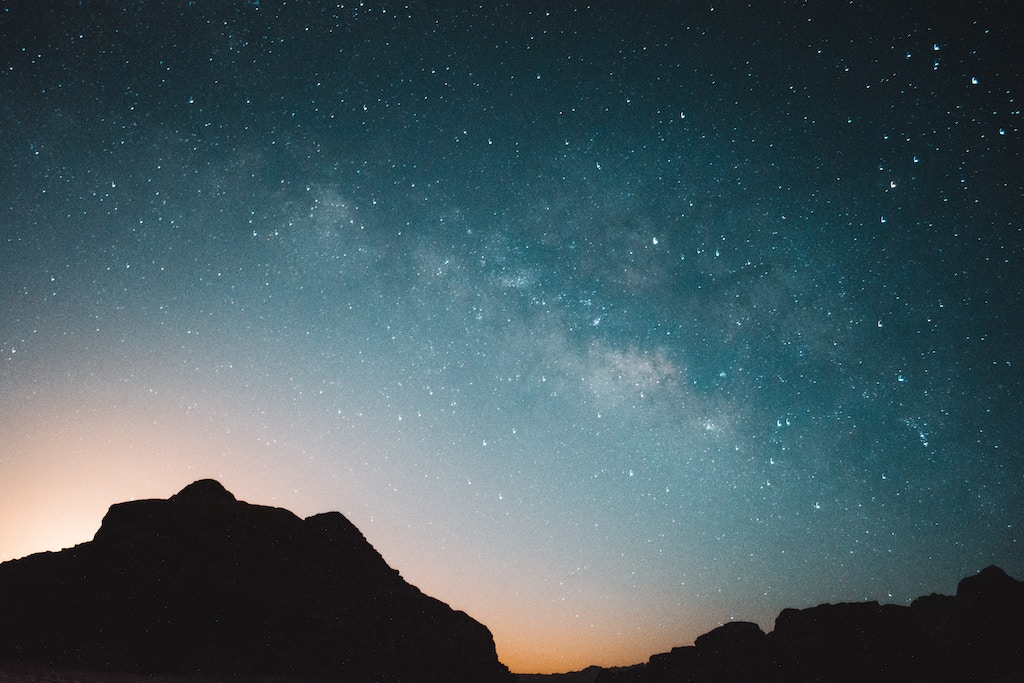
(976, 635)
(205, 585)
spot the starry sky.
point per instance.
(606, 323)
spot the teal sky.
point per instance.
(605, 324)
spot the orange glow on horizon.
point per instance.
(536, 646)
(72, 457)
(542, 633)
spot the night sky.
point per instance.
(605, 324)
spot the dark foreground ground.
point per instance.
(15, 673)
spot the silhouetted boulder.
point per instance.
(204, 492)
(204, 584)
(732, 638)
(735, 651)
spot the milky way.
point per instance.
(605, 325)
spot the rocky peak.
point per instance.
(203, 584)
(989, 582)
(204, 491)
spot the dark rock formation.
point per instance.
(978, 635)
(587, 675)
(851, 641)
(736, 651)
(204, 584)
(732, 639)
(987, 625)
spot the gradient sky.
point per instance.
(605, 324)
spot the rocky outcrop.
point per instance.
(204, 584)
(855, 641)
(978, 635)
(986, 625)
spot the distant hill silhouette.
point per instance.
(203, 584)
(977, 635)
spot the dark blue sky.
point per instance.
(604, 324)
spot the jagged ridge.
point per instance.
(978, 635)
